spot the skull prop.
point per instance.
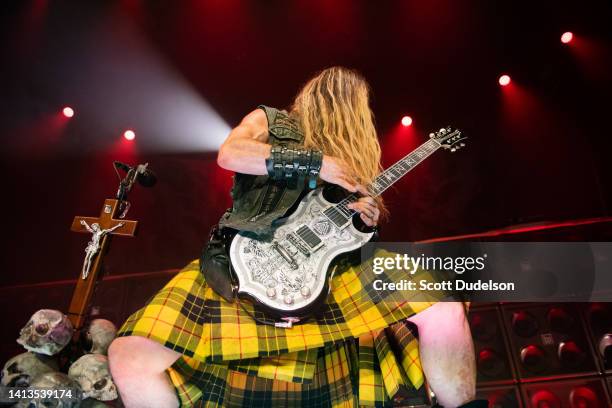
(92, 373)
(98, 336)
(47, 332)
(64, 385)
(21, 369)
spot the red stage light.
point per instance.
(68, 112)
(406, 121)
(567, 37)
(504, 80)
(129, 134)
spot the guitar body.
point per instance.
(288, 273)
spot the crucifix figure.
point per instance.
(93, 246)
(102, 228)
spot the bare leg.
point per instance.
(138, 366)
(447, 353)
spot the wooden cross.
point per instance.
(77, 313)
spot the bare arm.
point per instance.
(115, 227)
(84, 223)
(246, 149)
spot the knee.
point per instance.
(442, 315)
(128, 356)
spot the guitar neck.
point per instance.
(387, 178)
(398, 170)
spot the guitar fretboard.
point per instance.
(339, 214)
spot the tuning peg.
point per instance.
(462, 144)
(442, 130)
(448, 128)
(432, 135)
(453, 149)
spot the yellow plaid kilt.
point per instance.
(358, 352)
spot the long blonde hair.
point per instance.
(334, 112)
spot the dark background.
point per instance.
(538, 149)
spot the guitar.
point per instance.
(287, 274)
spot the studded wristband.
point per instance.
(293, 163)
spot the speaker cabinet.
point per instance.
(598, 318)
(548, 341)
(501, 397)
(492, 357)
(575, 393)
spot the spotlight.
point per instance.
(129, 134)
(68, 112)
(406, 121)
(567, 37)
(504, 80)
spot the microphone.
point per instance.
(144, 175)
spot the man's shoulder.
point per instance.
(274, 114)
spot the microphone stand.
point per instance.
(126, 184)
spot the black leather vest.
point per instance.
(258, 200)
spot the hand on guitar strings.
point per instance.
(336, 171)
(366, 207)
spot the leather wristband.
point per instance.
(291, 163)
(316, 161)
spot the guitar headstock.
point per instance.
(449, 138)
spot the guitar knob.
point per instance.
(271, 292)
(289, 299)
(305, 291)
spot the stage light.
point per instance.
(406, 121)
(567, 37)
(504, 80)
(129, 134)
(68, 112)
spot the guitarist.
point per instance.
(329, 133)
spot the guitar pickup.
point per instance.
(309, 237)
(337, 217)
(299, 244)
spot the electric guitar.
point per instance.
(287, 274)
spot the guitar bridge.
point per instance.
(286, 255)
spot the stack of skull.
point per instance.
(44, 336)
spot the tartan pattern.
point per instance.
(212, 385)
(296, 367)
(371, 388)
(409, 358)
(230, 359)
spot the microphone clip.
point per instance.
(140, 173)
